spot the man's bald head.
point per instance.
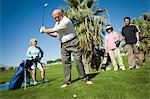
(57, 14)
(57, 11)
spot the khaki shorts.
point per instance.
(38, 65)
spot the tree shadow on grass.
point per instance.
(90, 76)
(93, 75)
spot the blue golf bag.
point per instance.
(18, 78)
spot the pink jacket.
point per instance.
(110, 40)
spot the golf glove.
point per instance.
(41, 29)
(105, 54)
(137, 44)
(117, 43)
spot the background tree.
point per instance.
(143, 23)
(58, 60)
(88, 24)
(11, 69)
(2, 68)
(50, 61)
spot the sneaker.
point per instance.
(89, 82)
(131, 68)
(64, 85)
(115, 69)
(35, 83)
(123, 68)
(137, 67)
(108, 68)
(44, 80)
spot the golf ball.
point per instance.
(74, 95)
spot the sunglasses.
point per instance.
(56, 17)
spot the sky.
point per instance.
(21, 19)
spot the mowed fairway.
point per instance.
(128, 84)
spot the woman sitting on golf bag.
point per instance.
(112, 48)
(35, 54)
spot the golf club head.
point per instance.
(46, 4)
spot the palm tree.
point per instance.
(143, 23)
(88, 24)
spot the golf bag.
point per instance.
(105, 62)
(96, 58)
(18, 78)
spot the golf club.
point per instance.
(43, 13)
(25, 79)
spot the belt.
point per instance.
(113, 49)
(69, 40)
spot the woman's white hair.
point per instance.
(33, 39)
(57, 11)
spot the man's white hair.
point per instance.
(33, 39)
(57, 11)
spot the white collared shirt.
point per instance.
(65, 29)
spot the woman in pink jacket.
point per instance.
(112, 48)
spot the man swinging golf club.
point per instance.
(69, 45)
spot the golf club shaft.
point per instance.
(43, 14)
(25, 79)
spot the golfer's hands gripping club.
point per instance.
(42, 28)
(48, 31)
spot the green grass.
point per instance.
(129, 84)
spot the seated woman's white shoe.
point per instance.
(35, 83)
(44, 80)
